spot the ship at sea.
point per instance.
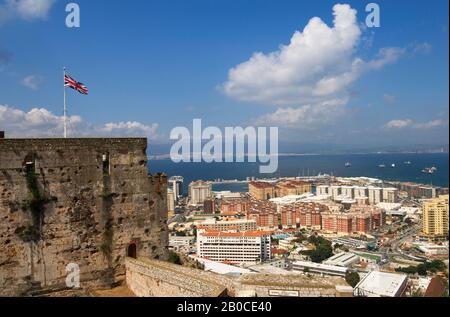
(408, 163)
(393, 166)
(348, 164)
(429, 170)
(382, 165)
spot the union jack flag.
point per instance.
(72, 83)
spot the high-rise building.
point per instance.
(435, 217)
(209, 206)
(170, 202)
(390, 195)
(176, 182)
(199, 191)
(234, 247)
(375, 195)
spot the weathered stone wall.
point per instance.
(152, 278)
(76, 210)
(296, 285)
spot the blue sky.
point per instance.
(154, 65)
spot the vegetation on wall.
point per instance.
(35, 203)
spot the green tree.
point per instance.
(352, 278)
(174, 258)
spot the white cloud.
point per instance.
(431, 124)
(31, 82)
(39, 122)
(304, 117)
(317, 67)
(25, 9)
(422, 48)
(390, 99)
(408, 123)
(399, 124)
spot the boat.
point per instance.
(393, 165)
(382, 166)
(429, 170)
(348, 164)
(408, 163)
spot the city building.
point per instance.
(344, 259)
(176, 183)
(234, 206)
(181, 242)
(247, 247)
(199, 191)
(359, 220)
(302, 214)
(266, 190)
(238, 225)
(311, 267)
(170, 202)
(375, 195)
(209, 206)
(390, 195)
(435, 217)
(381, 284)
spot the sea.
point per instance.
(311, 165)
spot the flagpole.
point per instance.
(65, 106)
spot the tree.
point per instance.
(174, 258)
(352, 278)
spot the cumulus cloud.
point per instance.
(408, 123)
(318, 64)
(317, 67)
(31, 82)
(25, 9)
(39, 122)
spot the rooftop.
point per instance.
(381, 284)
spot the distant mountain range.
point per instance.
(161, 151)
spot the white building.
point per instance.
(381, 284)
(234, 247)
(177, 186)
(322, 190)
(170, 201)
(375, 195)
(342, 259)
(199, 191)
(347, 191)
(390, 195)
(361, 192)
(181, 242)
(335, 191)
(317, 268)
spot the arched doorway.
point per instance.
(132, 250)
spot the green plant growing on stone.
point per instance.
(36, 204)
(106, 246)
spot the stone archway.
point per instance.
(132, 250)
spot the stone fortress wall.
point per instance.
(85, 201)
(153, 278)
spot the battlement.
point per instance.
(86, 201)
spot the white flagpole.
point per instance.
(65, 106)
